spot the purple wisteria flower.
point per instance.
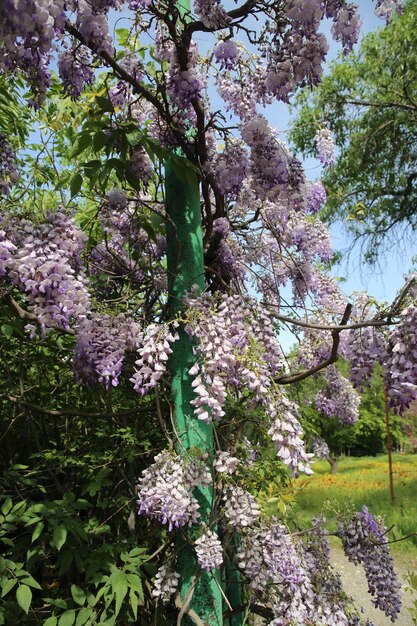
(209, 551)
(364, 541)
(325, 146)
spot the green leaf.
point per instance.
(78, 595)
(120, 587)
(7, 586)
(24, 597)
(67, 618)
(76, 184)
(135, 137)
(37, 532)
(7, 504)
(31, 582)
(122, 36)
(7, 330)
(82, 143)
(104, 104)
(83, 616)
(51, 621)
(20, 507)
(65, 559)
(59, 537)
(135, 583)
(100, 139)
(134, 603)
(61, 604)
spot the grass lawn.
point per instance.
(365, 481)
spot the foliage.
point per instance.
(368, 101)
(69, 529)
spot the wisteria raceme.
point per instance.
(45, 267)
(141, 165)
(325, 146)
(227, 265)
(241, 94)
(286, 432)
(339, 399)
(75, 70)
(209, 551)
(269, 158)
(164, 493)
(93, 24)
(185, 84)
(401, 362)
(102, 342)
(240, 507)
(196, 472)
(231, 168)
(269, 555)
(211, 13)
(27, 32)
(225, 463)
(210, 397)
(334, 607)
(166, 583)
(385, 9)
(310, 237)
(364, 541)
(346, 26)
(294, 60)
(154, 349)
(239, 348)
(316, 198)
(7, 249)
(304, 16)
(320, 448)
(8, 170)
(117, 198)
(366, 347)
(226, 53)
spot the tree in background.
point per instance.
(143, 253)
(330, 437)
(369, 102)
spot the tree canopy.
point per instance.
(368, 100)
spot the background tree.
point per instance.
(366, 437)
(369, 102)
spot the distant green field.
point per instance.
(365, 481)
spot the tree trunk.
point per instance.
(334, 464)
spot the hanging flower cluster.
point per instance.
(364, 541)
(339, 399)
(165, 491)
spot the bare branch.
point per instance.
(72, 412)
(371, 322)
(294, 378)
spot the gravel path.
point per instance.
(355, 584)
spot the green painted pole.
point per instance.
(186, 270)
(185, 262)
